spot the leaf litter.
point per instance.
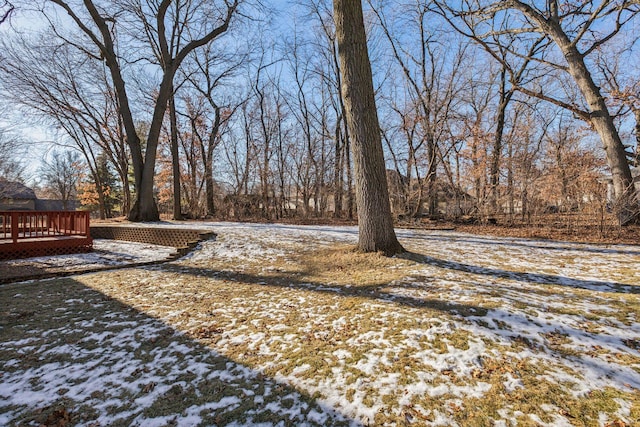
(288, 325)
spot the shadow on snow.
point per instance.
(533, 278)
(543, 244)
(74, 355)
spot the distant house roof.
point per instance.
(56, 205)
(15, 190)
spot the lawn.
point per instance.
(279, 325)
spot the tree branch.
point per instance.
(584, 115)
(7, 13)
(194, 44)
(619, 24)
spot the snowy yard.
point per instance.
(278, 325)
(107, 254)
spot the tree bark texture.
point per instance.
(375, 223)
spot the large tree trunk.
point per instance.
(602, 122)
(145, 208)
(133, 141)
(375, 223)
(138, 210)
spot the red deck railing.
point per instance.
(33, 233)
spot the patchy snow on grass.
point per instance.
(264, 242)
(105, 253)
(135, 371)
(251, 329)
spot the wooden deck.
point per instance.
(25, 234)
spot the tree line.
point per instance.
(486, 110)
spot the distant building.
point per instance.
(452, 201)
(635, 174)
(15, 196)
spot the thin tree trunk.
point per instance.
(100, 191)
(510, 186)
(175, 158)
(432, 188)
(208, 163)
(477, 182)
(338, 181)
(636, 160)
(375, 223)
(126, 193)
(496, 155)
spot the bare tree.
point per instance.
(301, 102)
(63, 88)
(576, 30)
(60, 175)
(431, 72)
(190, 158)
(192, 126)
(327, 67)
(266, 119)
(240, 159)
(175, 28)
(207, 73)
(622, 87)
(175, 155)
(375, 223)
(474, 130)
(11, 151)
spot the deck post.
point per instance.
(14, 226)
